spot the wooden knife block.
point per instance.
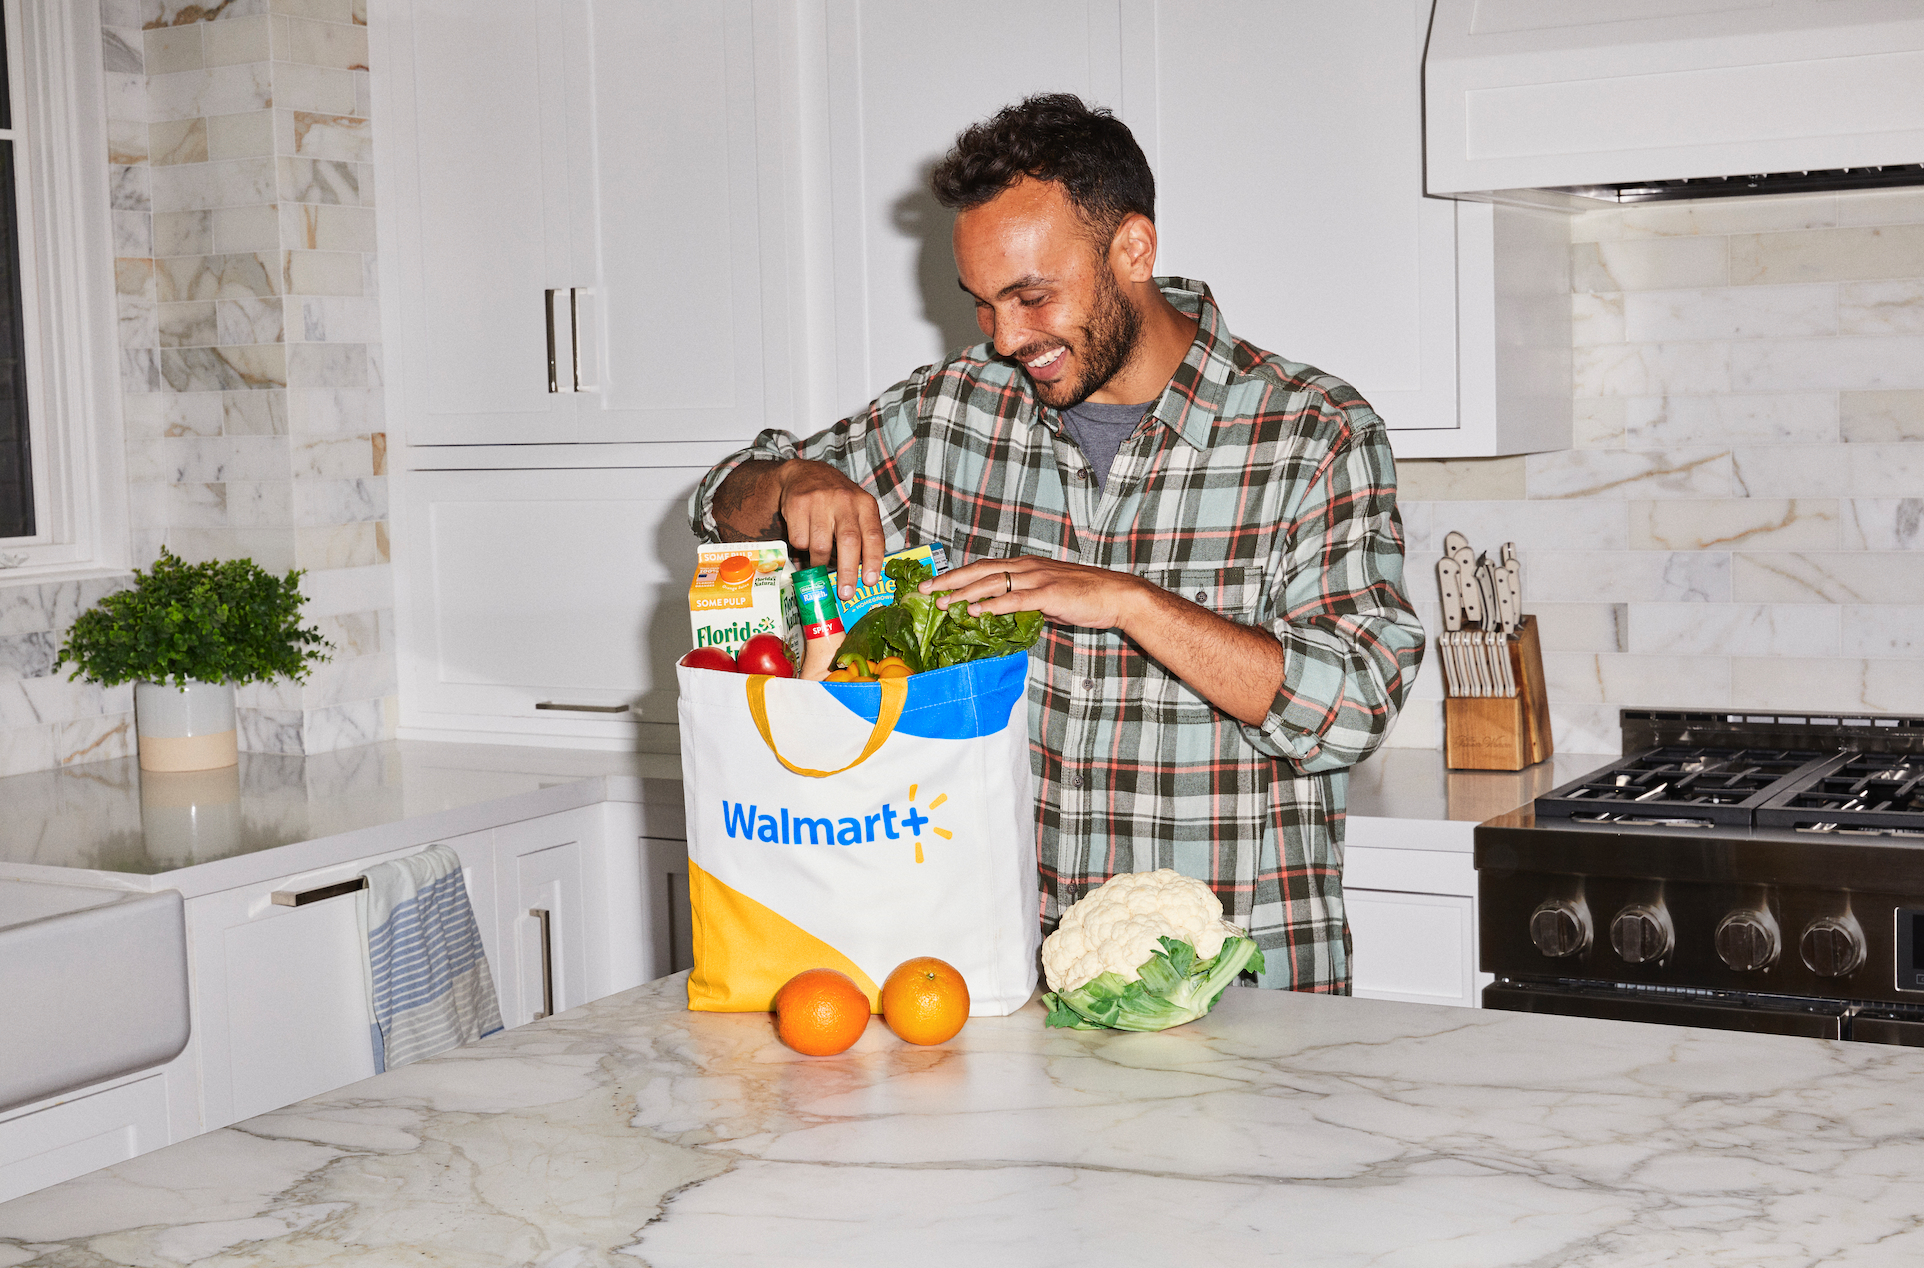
(1502, 733)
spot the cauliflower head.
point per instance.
(1115, 927)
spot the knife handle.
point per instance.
(1449, 585)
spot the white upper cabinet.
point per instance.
(1287, 141)
(1290, 174)
(895, 105)
(665, 226)
(576, 223)
(480, 219)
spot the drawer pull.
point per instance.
(547, 961)
(321, 893)
(581, 708)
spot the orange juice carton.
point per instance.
(742, 589)
(936, 556)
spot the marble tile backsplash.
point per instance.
(1741, 520)
(239, 164)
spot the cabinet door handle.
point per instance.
(547, 962)
(547, 315)
(302, 897)
(574, 332)
(581, 708)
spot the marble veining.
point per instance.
(321, 181)
(1280, 1128)
(121, 49)
(251, 366)
(1884, 524)
(27, 655)
(129, 189)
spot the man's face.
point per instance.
(1044, 292)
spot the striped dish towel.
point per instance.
(428, 986)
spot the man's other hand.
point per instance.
(1069, 594)
(1238, 668)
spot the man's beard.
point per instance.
(1106, 344)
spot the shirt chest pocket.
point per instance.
(1235, 594)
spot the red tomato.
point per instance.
(709, 658)
(765, 654)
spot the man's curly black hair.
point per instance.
(1052, 137)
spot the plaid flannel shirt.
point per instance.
(1259, 488)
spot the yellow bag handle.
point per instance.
(895, 693)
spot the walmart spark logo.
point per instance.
(781, 826)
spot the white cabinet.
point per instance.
(1287, 141)
(577, 237)
(481, 225)
(280, 1004)
(1290, 173)
(1292, 183)
(894, 106)
(547, 605)
(540, 865)
(1420, 948)
(1412, 919)
(81, 1133)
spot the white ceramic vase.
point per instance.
(185, 728)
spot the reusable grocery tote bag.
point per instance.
(853, 826)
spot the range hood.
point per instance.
(1561, 103)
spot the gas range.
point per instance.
(1739, 871)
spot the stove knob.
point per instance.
(1641, 934)
(1747, 940)
(1832, 947)
(1560, 927)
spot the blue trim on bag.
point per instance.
(961, 702)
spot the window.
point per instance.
(16, 448)
(63, 492)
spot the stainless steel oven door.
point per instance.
(1815, 1019)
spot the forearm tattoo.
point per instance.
(734, 517)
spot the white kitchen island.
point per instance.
(1281, 1128)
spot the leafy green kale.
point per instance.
(1172, 987)
(928, 637)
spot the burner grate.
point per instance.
(1677, 783)
(1865, 793)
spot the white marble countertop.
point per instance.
(1281, 1128)
(111, 824)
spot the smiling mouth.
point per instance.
(1047, 359)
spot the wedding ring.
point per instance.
(1008, 581)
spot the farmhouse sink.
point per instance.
(93, 985)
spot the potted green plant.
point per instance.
(186, 635)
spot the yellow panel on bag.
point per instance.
(744, 952)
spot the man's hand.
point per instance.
(1066, 593)
(822, 512)
(1237, 668)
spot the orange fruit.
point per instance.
(820, 1012)
(925, 1000)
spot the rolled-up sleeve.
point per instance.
(875, 447)
(1351, 642)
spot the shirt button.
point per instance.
(1083, 475)
(1088, 684)
(1201, 597)
(1075, 781)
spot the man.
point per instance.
(1210, 530)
